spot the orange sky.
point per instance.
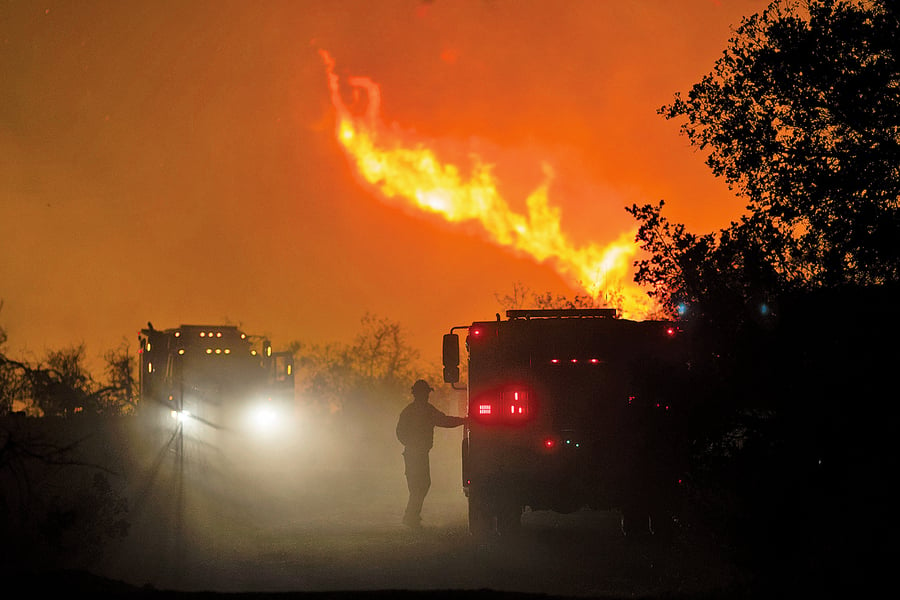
(177, 161)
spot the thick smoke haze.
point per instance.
(321, 512)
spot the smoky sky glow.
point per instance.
(178, 162)
(200, 163)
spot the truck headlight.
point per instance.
(264, 418)
(181, 415)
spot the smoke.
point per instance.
(320, 510)
(210, 515)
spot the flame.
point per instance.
(414, 175)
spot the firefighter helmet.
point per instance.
(421, 386)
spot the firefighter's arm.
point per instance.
(448, 421)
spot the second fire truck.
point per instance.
(226, 384)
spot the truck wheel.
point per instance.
(635, 521)
(663, 520)
(481, 518)
(509, 518)
(662, 525)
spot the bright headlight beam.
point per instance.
(264, 419)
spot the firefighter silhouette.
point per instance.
(415, 430)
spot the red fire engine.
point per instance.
(568, 409)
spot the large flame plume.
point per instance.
(414, 175)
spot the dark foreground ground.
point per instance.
(340, 531)
(366, 554)
(321, 518)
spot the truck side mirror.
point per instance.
(451, 358)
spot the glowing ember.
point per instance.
(415, 175)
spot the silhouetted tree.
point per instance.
(383, 352)
(64, 386)
(58, 506)
(14, 384)
(8, 377)
(801, 115)
(120, 394)
(378, 366)
(354, 392)
(522, 296)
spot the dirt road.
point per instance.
(335, 526)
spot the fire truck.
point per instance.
(567, 410)
(215, 379)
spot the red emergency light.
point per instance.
(515, 403)
(576, 360)
(505, 406)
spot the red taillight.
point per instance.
(510, 405)
(515, 404)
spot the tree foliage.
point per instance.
(378, 367)
(521, 296)
(801, 116)
(354, 393)
(120, 393)
(62, 386)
